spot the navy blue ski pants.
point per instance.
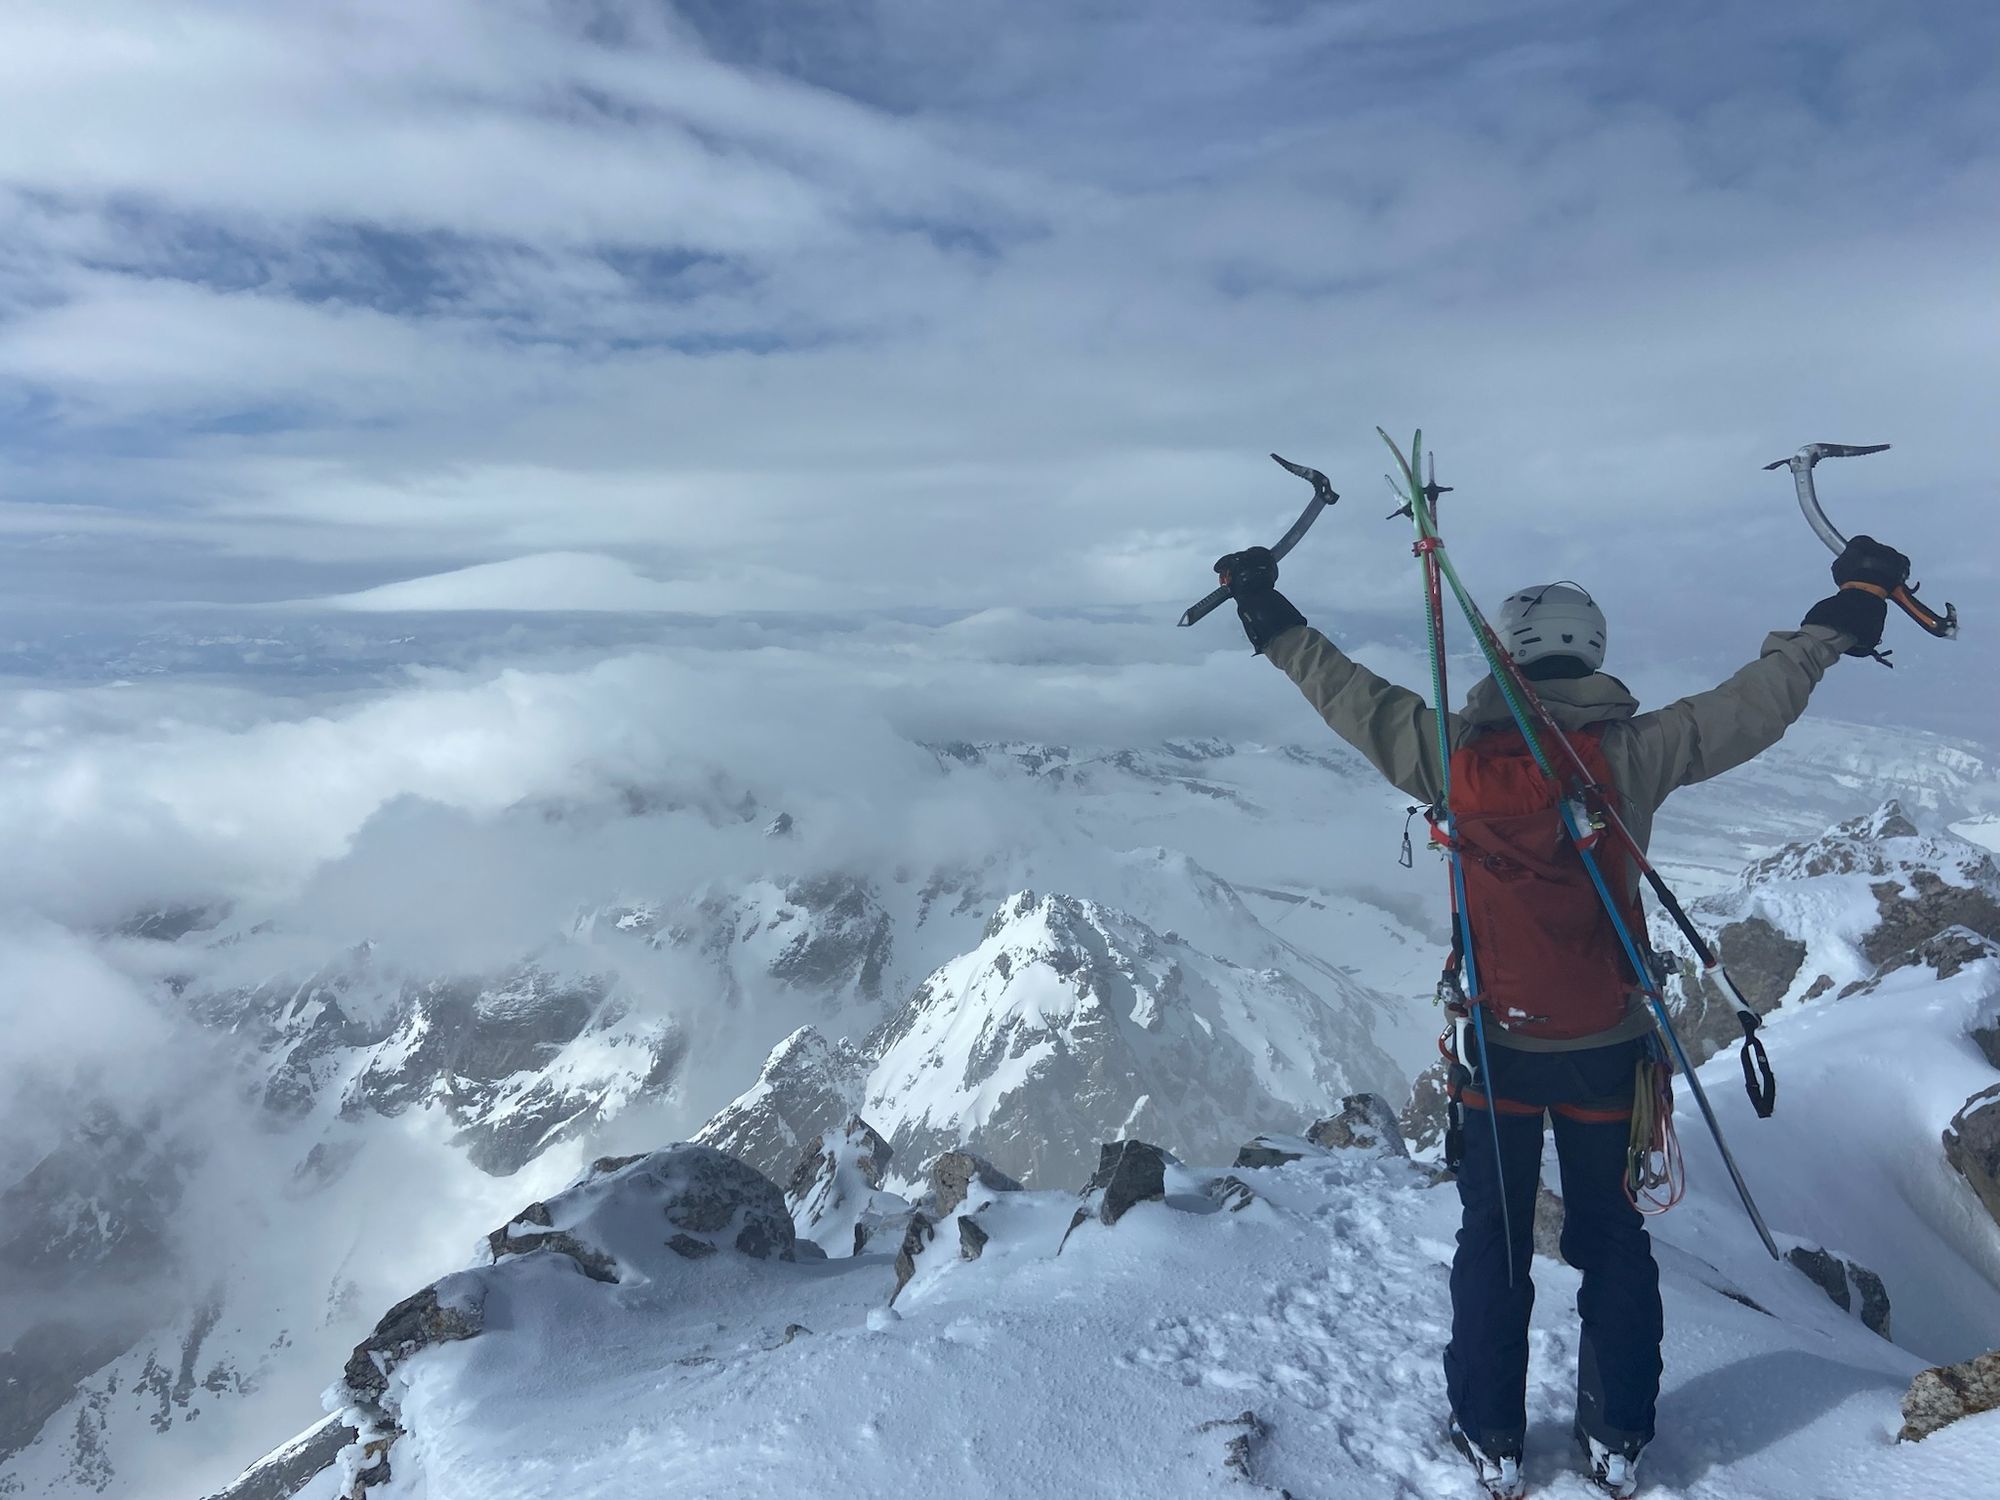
(1604, 1237)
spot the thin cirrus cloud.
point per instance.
(880, 305)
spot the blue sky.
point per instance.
(902, 304)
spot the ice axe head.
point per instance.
(1944, 626)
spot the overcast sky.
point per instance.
(896, 303)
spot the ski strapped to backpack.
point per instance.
(1586, 812)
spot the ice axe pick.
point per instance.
(1943, 626)
(1323, 496)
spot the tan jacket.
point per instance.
(1649, 754)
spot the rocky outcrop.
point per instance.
(808, 1086)
(916, 1238)
(1851, 1287)
(836, 1195)
(1128, 1173)
(288, 1469)
(626, 1218)
(1763, 962)
(1972, 1146)
(1365, 1121)
(1423, 1118)
(1269, 1151)
(957, 1176)
(1945, 1393)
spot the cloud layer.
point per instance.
(875, 306)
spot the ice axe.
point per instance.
(1323, 496)
(1904, 597)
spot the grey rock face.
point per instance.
(1365, 1121)
(1762, 961)
(1924, 906)
(1851, 1287)
(1972, 1146)
(1943, 1394)
(1265, 1152)
(420, 1321)
(836, 1196)
(1128, 1173)
(856, 1143)
(1423, 1118)
(971, 1238)
(808, 1087)
(520, 1236)
(282, 1474)
(956, 1175)
(919, 1235)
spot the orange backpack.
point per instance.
(1545, 954)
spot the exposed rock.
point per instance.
(1423, 1118)
(1947, 952)
(420, 1321)
(954, 1174)
(1233, 1193)
(1972, 1146)
(808, 1086)
(1548, 1222)
(1128, 1173)
(1986, 1037)
(920, 1234)
(1365, 1120)
(1239, 1452)
(971, 1238)
(520, 1236)
(687, 1247)
(1763, 962)
(1927, 906)
(282, 1473)
(1818, 987)
(1851, 1287)
(1941, 1395)
(837, 1198)
(1266, 1151)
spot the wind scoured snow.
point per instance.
(1320, 1308)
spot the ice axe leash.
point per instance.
(1943, 626)
(1575, 787)
(1323, 496)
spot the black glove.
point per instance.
(1251, 576)
(1867, 572)
(1868, 561)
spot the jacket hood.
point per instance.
(1572, 702)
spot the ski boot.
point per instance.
(1613, 1470)
(1499, 1473)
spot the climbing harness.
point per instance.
(1588, 816)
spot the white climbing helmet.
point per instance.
(1553, 619)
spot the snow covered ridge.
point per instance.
(1174, 1331)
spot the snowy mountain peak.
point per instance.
(1072, 1023)
(1885, 842)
